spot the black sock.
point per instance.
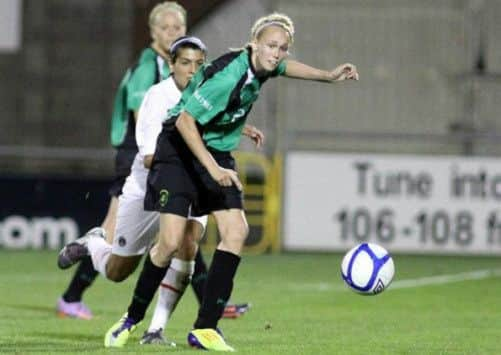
(199, 278)
(218, 289)
(147, 284)
(82, 279)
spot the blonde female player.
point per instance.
(193, 170)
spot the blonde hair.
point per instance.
(274, 19)
(166, 6)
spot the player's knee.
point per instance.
(194, 230)
(236, 232)
(167, 248)
(233, 238)
(117, 275)
(119, 268)
(189, 245)
(187, 250)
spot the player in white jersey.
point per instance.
(135, 228)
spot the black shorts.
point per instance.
(182, 182)
(123, 163)
(210, 195)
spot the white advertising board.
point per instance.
(20, 232)
(10, 25)
(415, 204)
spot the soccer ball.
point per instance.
(367, 269)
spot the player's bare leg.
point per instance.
(70, 303)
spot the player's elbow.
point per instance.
(184, 122)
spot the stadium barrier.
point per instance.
(406, 203)
(47, 212)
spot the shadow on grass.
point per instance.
(79, 343)
(69, 336)
(50, 346)
(53, 342)
(51, 310)
(31, 307)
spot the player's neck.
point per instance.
(160, 51)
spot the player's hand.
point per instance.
(343, 72)
(255, 134)
(226, 177)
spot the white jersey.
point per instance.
(153, 110)
(136, 228)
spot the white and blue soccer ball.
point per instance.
(367, 269)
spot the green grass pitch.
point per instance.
(300, 306)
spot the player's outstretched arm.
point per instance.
(298, 70)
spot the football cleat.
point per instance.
(73, 310)
(155, 337)
(118, 334)
(75, 251)
(208, 339)
(233, 311)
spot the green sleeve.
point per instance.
(210, 98)
(140, 81)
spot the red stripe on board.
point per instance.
(167, 286)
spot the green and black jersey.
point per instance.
(220, 96)
(149, 70)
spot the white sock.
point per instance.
(100, 252)
(173, 285)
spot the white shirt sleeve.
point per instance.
(152, 112)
